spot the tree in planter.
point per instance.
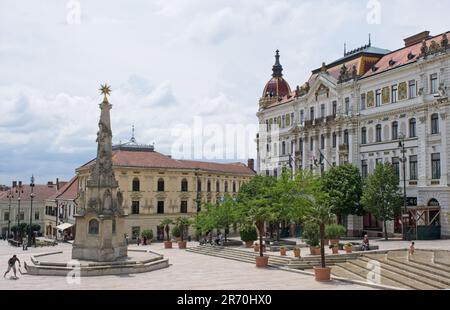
(176, 232)
(256, 204)
(311, 234)
(147, 233)
(334, 231)
(183, 224)
(344, 187)
(166, 225)
(248, 234)
(382, 196)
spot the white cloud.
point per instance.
(167, 61)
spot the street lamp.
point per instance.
(401, 144)
(10, 196)
(19, 190)
(30, 231)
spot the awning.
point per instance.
(64, 226)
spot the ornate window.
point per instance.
(283, 148)
(160, 208)
(394, 93)
(135, 207)
(364, 170)
(435, 166)
(433, 83)
(363, 135)
(413, 169)
(434, 123)
(412, 128)
(378, 97)
(161, 185)
(346, 137)
(184, 206)
(136, 185)
(394, 130)
(363, 102)
(93, 227)
(396, 165)
(184, 185)
(412, 85)
(322, 142)
(378, 133)
(334, 140)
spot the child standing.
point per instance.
(411, 248)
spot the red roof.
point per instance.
(142, 159)
(278, 87)
(68, 192)
(41, 192)
(399, 57)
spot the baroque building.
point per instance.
(156, 186)
(366, 108)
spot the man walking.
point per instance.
(12, 265)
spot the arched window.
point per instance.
(412, 128)
(217, 186)
(234, 186)
(434, 123)
(378, 133)
(394, 130)
(93, 227)
(208, 186)
(184, 185)
(161, 185)
(136, 185)
(433, 203)
(363, 135)
(226, 186)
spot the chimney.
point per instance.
(14, 184)
(251, 163)
(50, 183)
(417, 38)
(57, 184)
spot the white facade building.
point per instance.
(362, 109)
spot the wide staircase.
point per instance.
(242, 255)
(424, 270)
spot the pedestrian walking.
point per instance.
(412, 248)
(12, 265)
(145, 240)
(138, 241)
(24, 243)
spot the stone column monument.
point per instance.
(100, 229)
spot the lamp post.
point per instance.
(30, 231)
(401, 144)
(10, 196)
(19, 190)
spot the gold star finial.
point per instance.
(105, 90)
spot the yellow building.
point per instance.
(156, 186)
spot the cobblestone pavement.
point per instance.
(188, 271)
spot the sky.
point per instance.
(175, 67)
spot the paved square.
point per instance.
(188, 271)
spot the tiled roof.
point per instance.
(42, 192)
(140, 159)
(68, 192)
(400, 58)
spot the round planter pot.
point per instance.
(248, 244)
(262, 261)
(311, 250)
(182, 244)
(283, 252)
(317, 251)
(322, 274)
(335, 250)
(348, 249)
(167, 244)
(296, 252)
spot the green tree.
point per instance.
(282, 196)
(382, 196)
(183, 224)
(256, 204)
(225, 214)
(165, 223)
(344, 187)
(205, 220)
(147, 233)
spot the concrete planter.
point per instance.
(182, 244)
(167, 244)
(262, 261)
(322, 274)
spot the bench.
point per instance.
(14, 242)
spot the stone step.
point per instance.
(432, 268)
(238, 253)
(396, 276)
(339, 271)
(232, 256)
(357, 273)
(410, 272)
